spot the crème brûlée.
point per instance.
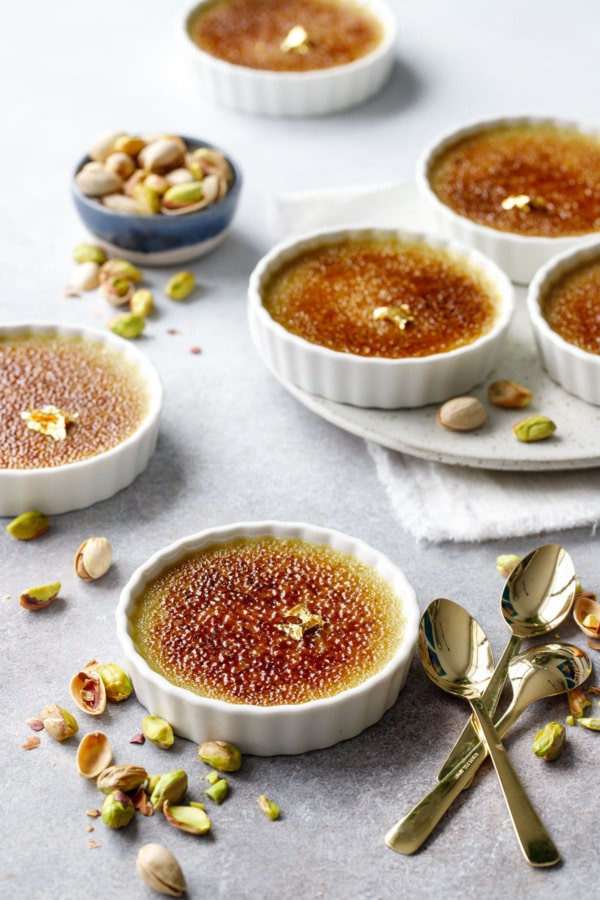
(381, 297)
(531, 179)
(267, 621)
(286, 35)
(571, 306)
(65, 399)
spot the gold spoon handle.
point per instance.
(412, 831)
(469, 738)
(536, 844)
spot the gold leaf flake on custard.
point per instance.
(50, 420)
(305, 621)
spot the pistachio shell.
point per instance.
(121, 778)
(462, 414)
(86, 276)
(584, 606)
(94, 558)
(94, 754)
(162, 155)
(95, 180)
(104, 145)
(88, 691)
(159, 869)
(122, 164)
(121, 203)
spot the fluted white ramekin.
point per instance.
(376, 381)
(270, 730)
(60, 489)
(574, 369)
(312, 93)
(520, 256)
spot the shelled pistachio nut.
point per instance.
(59, 723)
(117, 290)
(218, 790)
(28, 525)
(94, 754)
(88, 691)
(121, 778)
(187, 818)
(128, 325)
(270, 809)
(550, 741)
(534, 428)
(158, 868)
(142, 302)
(36, 598)
(85, 252)
(94, 558)
(180, 285)
(120, 268)
(222, 755)
(171, 786)
(146, 199)
(158, 731)
(117, 683)
(117, 810)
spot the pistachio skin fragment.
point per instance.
(218, 790)
(28, 526)
(221, 755)
(180, 285)
(158, 868)
(534, 428)
(39, 597)
(128, 325)
(59, 723)
(270, 809)
(158, 731)
(93, 559)
(121, 778)
(187, 818)
(117, 810)
(170, 787)
(116, 682)
(577, 702)
(462, 414)
(550, 741)
(509, 395)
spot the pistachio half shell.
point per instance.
(586, 612)
(88, 690)
(94, 754)
(159, 869)
(187, 818)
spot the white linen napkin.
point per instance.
(434, 501)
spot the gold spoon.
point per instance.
(457, 656)
(537, 596)
(537, 673)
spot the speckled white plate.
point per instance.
(575, 445)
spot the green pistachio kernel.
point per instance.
(128, 325)
(218, 791)
(28, 525)
(59, 723)
(506, 562)
(117, 810)
(534, 428)
(116, 681)
(592, 723)
(221, 755)
(271, 810)
(187, 818)
(550, 741)
(171, 786)
(158, 731)
(39, 597)
(89, 253)
(142, 302)
(180, 285)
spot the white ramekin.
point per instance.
(375, 381)
(574, 369)
(80, 484)
(283, 729)
(520, 256)
(311, 93)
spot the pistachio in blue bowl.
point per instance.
(158, 200)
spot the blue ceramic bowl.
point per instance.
(160, 239)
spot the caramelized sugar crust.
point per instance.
(100, 385)
(558, 168)
(250, 33)
(328, 296)
(212, 622)
(572, 307)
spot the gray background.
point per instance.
(234, 445)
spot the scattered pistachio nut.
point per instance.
(218, 791)
(39, 597)
(550, 741)
(180, 285)
(534, 428)
(120, 268)
(94, 558)
(118, 290)
(121, 778)
(117, 810)
(128, 325)
(28, 525)
(117, 682)
(158, 868)
(506, 562)
(142, 302)
(59, 723)
(462, 414)
(171, 786)
(187, 818)
(88, 691)
(593, 722)
(158, 731)
(577, 702)
(94, 754)
(509, 394)
(95, 180)
(270, 809)
(85, 252)
(221, 755)
(86, 277)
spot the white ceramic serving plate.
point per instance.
(375, 381)
(520, 256)
(284, 729)
(311, 93)
(574, 369)
(80, 484)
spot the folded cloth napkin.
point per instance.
(434, 501)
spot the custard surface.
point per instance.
(572, 307)
(211, 622)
